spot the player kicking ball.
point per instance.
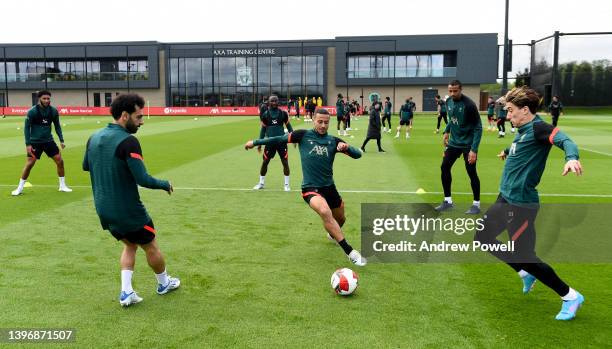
(113, 158)
(317, 151)
(518, 202)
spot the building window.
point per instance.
(65, 70)
(116, 69)
(402, 66)
(108, 99)
(96, 99)
(244, 81)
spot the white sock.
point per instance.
(448, 199)
(62, 181)
(262, 179)
(126, 281)
(571, 295)
(523, 273)
(21, 183)
(476, 203)
(162, 278)
(286, 180)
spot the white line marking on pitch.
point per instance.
(595, 151)
(341, 191)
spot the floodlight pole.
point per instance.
(504, 88)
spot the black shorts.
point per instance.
(271, 150)
(142, 236)
(405, 121)
(49, 148)
(387, 115)
(442, 115)
(454, 153)
(490, 117)
(330, 194)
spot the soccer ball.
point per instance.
(344, 281)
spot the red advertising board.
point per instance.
(163, 111)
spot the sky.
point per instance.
(192, 21)
(62, 21)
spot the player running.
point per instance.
(38, 139)
(273, 122)
(518, 197)
(114, 160)
(317, 151)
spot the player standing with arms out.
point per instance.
(519, 199)
(555, 109)
(318, 150)
(116, 167)
(461, 137)
(38, 139)
(273, 122)
(441, 112)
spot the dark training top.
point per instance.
(114, 160)
(273, 123)
(317, 153)
(464, 124)
(555, 108)
(527, 159)
(37, 127)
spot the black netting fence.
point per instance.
(585, 70)
(542, 67)
(582, 72)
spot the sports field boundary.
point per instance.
(398, 192)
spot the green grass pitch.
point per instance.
(255, 266)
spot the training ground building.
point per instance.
(240, 74)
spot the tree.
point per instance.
(583, 83)
(522, 79)
(566, 72)
(597, 96)
(608, 85)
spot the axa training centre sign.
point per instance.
(245, 52)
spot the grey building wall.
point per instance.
(476, 56)
(82, 51)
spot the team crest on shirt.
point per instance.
(274, 122)
(454, 120)
(45, 121)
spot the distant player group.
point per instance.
(114, 159)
